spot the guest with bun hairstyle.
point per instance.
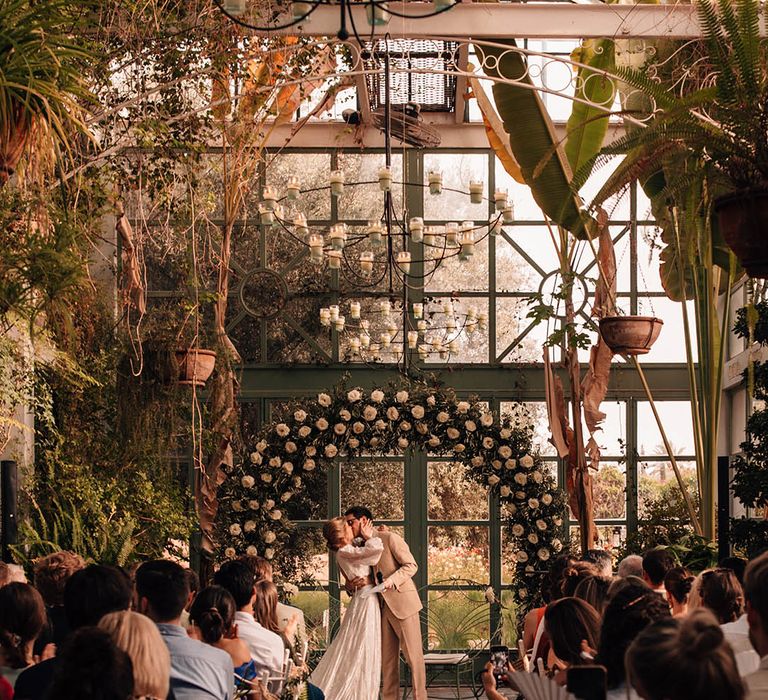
(677, 584)
(574, 574)
(685, 659)
(22, 616)
(594, 590)
(721, 592)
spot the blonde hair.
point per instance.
(333, 530)
(138, 636)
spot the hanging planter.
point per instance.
(195, 365)
(743, 220)
(630, 335)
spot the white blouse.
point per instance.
(357, 561)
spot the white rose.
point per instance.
(345, 415)
(354, 395)
(369, 413)
(459, 447)
(380, 425)
(321, 424)
(254, 504)
(557, 545)
(431, 401)
(309, 464)
(417, 412)
(434, 441)
(339, 428)
(324, 400)
(393, 413)
(493, 480)
(331, 451)
(288, 467)
(422, 428)
(477, 461)
(518, 530)
(374, 442)
(290, 447)
(526, 461)
(533, 538)
(520, 495)
(521, 478)
(486, 420)
(247, 481)
(496, 464)
(358, 427)
(269, 504)
(442, 417)
(311, 451)
(276, 514)
(533, 503)
(304, 431)
(510, 464)
(251, 551)
(275, 462)
(405, 426)
(230, 553)
(237, 506)
(296, 481)
(543, 554)
(401, 396)
(505, 451)
(377, 395)
(452, 433)
(470, 426)
(266, 478)
(286, 497)
(249, 526)
(521, 556)
(282, 429)
(269, 553)
(505, 433)
(505, 491)
(462, 406)
(235, 530)
(402, 443)
(269, 537)
(541, 524)
(487, 443)
(255, 458)
(511, 508)
(546, 499)
(261, 445)
(354, 443)
(537, 476)
(300, 416)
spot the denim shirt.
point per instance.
(197, 670)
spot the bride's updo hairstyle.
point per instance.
(684, 660)
(333, 531)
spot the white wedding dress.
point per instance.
(351, 666)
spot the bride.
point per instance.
(351, 666)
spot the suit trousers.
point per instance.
(403, 634)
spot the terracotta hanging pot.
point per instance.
(630, 335)
(743, 220)
(195, 365)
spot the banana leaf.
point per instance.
(532, 137)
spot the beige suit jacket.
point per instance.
(398, 565)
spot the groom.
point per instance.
(400, 626)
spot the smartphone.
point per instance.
(499, 659)
(587, 682)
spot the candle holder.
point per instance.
(508, 213)
(500, 199)
(334, 259)
(416, 226)
(404, 261)
(337, 182)
(377, 15)
(269, 195)
(452, 234)
(301, 11)
(476, 189)
(294, 184)
(435, 180)
(385, 179)
(366, 263)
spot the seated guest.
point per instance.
(656, 563)
(551, 589)
(756, 598)
(601, 560)
(51, 574)
(213, 616)
(89, 594)
(631, 565)
(631, 609)
(266, 647)
(194, 586)
(736, 564)
(677, 584)
(138, 637)
(265, 612)
(574, 574)
(197, 670)
(92, 667)
(570, 623)
(720, 591)
(22, 616)
(594, 590)
(685, 659)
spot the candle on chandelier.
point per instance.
(366, 263)
(337, 182)
(482, 320)
(338, 324)
(471, 312)
(301, 10)
(435, 179)
(385, 306)
(391, 326)
(476, 188)
(266, 214)
(404, 261)
(338, 236)
(374, 351)
(300, 222)
(435, 343)
(496, 226)
(294, 184)
(421, 325)
(316, 248)
(269, 195)
(500, 199)
(418, 310)
(386, 339)
(334, 259)
(447, 306)
(423, 352)
(453, 346)
(365, 340)
(334, 312)
(325, 316)
(450, 324)
(354, 344)
(416, 226)
(375, 231)
(467, 241)
(508, 213)
(385, 179)
(430, 233)
(354, 309)
(452, 233)
(413, 338)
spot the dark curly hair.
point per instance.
(630, 610)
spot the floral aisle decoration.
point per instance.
(288, 463)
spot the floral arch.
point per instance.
(289, 463)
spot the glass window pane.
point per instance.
(513, 271)
(508, 619)
(532, 413)
(738, 419)
(375, 484)
(515, 329)
(453, 274)
(648, 249)
(458, 170)
(315, 605)
(656, 483)
(458, 553)
(472, 340)
(310, 540)
(678, 425)
(458, 620)
(609, 489)
(450, 496)
(670, 345)
(366, 201)
(312, 170)
(613, 430)
(609, 537)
